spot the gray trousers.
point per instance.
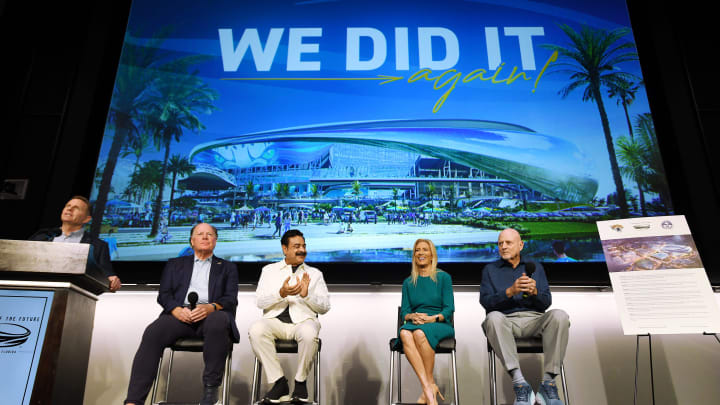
(553, 326)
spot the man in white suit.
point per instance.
(291, 295)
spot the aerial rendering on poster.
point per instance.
(652, 253)
(370, 124)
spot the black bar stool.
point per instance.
(445, 346)
(289, 347)
(191, 344)
(524, 345)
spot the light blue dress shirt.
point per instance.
(74, 237)
(200, 280)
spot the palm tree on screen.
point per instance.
(281, 190)
(632, 154)
(314, 192)
(178, 166)
(176, 100)
(134, 77)
(592, 64)
(431, 190)
(136, 147)
(98, 176)
(452, 197)
(249, 191)
(356, 187)
(656, 179)
(629, 151)
(624, 91)
(144, 183)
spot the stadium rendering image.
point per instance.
(367, 190)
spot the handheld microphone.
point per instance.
(529, 270)
(192, 299)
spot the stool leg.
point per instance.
(153, 398)
(255, 394)
(392, 377)
(493, 377)
(455, 379)
(228, 379)
(167, 387)
(317, 377)
(564, 385)
(399, 368)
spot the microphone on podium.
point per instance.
(529, 270)
(192, 299)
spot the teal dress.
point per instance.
(432, 298)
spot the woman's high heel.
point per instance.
(437, 392)
(434, 400)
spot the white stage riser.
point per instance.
(355, 358)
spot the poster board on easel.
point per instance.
(659, 282)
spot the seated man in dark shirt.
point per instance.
(515, 299)
(74, 216)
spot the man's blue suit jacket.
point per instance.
(223, 286)
(100, 250)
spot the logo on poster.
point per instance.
(666, 224)
(617, 227)
(12, 334)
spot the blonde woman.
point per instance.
(427, 308)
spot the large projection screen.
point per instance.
(369, 124)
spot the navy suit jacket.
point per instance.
(100, 251)
(223, 286)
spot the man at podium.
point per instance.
(198, 294)
(74, 216)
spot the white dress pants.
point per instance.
(262, 339)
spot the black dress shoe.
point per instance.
(279, 392)
(300, 393)
(210, 395)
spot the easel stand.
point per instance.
(652, 378)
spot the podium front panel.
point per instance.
(24, 318)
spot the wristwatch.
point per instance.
(437, 318)
(214, 306)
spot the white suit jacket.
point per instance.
(268, 292)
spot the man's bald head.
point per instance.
(509, 245)
(509, 233)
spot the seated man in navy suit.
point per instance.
(215, 281)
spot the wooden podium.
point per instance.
(62, 272)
